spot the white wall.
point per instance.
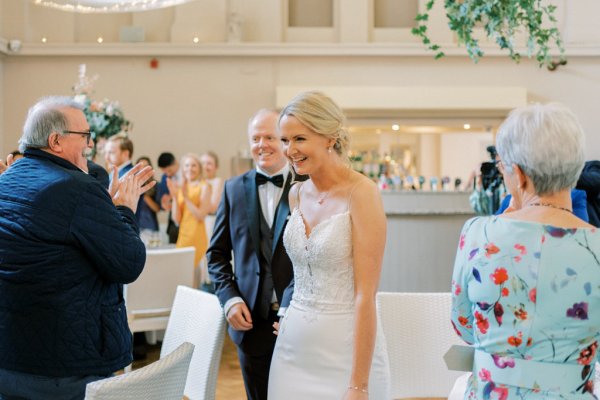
(462, 153)
(199, 103)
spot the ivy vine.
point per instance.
(501, 19)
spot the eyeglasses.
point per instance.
(87, 134)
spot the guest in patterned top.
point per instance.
(526, 284)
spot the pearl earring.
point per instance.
(329, 150)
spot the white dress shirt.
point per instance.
(269, 194)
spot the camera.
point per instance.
(491, 178)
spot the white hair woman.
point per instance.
(326, 348)
(525, 283)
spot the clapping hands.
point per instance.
(174, 187)
(10, 159)
(126, 191)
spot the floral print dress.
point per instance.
(527, 296)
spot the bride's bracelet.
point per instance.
(360, 389)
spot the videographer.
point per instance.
(488, 186)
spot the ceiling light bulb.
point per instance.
(100, 40)
(195, 39)
(44, 40)
(467, 126)
(396, 127)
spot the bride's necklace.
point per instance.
(541, 204)
(322, 197)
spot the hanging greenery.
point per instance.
(500, 19)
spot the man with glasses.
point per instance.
(67, 246)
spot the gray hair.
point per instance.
(321, 115)
(546, 142)
(44, 118)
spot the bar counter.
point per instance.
(422, 236)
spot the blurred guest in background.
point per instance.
(210, 165)
(191, 202)
(147, 209)
(526, 283)
(170, 169)
(118, 153)
(589, 181)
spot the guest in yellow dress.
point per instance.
(190, 209)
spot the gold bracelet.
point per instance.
(363, 389)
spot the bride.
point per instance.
(329, 343)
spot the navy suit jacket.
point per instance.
(236, 233)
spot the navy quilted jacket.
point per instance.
(65, 253)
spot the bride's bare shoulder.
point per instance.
(358, 182)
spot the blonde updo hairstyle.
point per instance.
(320, 114)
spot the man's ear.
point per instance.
(54, 142)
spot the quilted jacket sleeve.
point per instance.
(108, 235)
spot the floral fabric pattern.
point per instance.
(527, 297)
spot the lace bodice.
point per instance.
(323, 272)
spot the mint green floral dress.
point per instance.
(527, 296)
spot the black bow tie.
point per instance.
(276, 180)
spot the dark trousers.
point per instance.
(255, 353)
(172, 230)
(20, 386)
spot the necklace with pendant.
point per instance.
(322, 197)
(540, 204)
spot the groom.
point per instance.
(250, 222)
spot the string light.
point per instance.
(107, 6)
(100, 39)
(195, 39)
(44, 40)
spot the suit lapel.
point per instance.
(283, 211)
(252, 205)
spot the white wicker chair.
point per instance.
(197, 317)
(161, 380)
(149, 299)
(418, 332)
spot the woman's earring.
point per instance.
(329, 150)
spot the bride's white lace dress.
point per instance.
(313, 353)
